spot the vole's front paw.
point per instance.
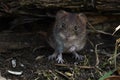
(59, 59)
(53, 56)
(77, 56)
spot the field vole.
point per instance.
(68, 34)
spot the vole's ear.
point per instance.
(61, 14)
(83, 18)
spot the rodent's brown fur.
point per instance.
(68, 34)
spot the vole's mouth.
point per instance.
(72, 37)
(67, 37)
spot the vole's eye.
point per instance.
(75, 28)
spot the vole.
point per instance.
(67, 35)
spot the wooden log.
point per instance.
(97, 19)
(108, 5)
(72, 5)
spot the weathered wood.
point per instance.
(97, 19)
(73, 5)
(108, 5)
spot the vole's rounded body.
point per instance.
(68, 34)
